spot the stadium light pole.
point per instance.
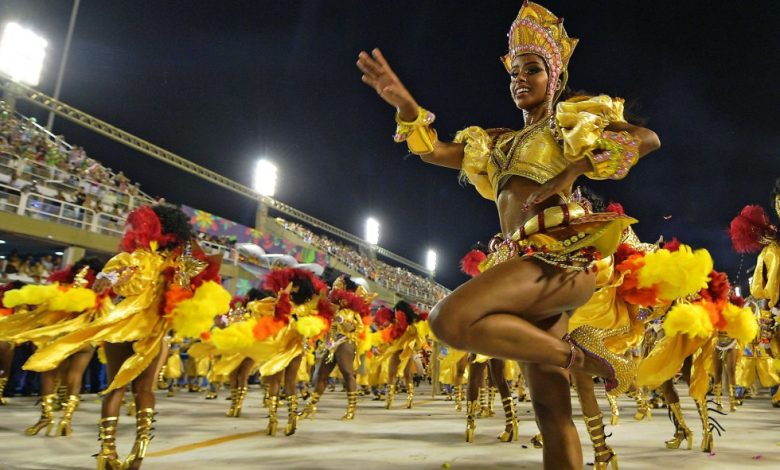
(264, 184)
(71, 26)
(430, 262)
(372, 231)
(22, 52)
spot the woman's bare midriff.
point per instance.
(511, 199)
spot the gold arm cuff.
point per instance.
(418, 135)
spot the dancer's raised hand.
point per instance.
(378, 74)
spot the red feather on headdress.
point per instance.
(718, 288)
(239, 299)
(400, 325)
(143, 227)
(325, 309)
(737, 300)
(624, 251)
(63, 276)
(279, 279)
(346, 299)
(469, 264)
(672, 245)
(382, 317)
(283, 307)
(750, 230)
(616, 207)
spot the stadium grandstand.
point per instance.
(58, 204)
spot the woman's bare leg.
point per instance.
(594, 421)
(499, 380)
(493, 313)
(345, 358)
(325, 369)
(6, 362)
(290, 383)
(77, 364)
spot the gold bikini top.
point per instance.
(539, 151)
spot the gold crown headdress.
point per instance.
(537, 31)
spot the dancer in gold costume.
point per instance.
(539, 267)
(159, 281)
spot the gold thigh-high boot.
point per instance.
(266, 395)
(351, 406)
(390, 395)
(292, 414)
(311, 406)
(47, 416)
(107, 458)
(273, 404)
(521, 393)
(707, 443)
(64, 427)
(131, 408)
(472, 408)
(143, 435)
(613, 407)
(717, 392)
(409, 394)
(3, 382)
(231, 412)
(595, 427)
(459, 397)
(483, 402)
(733, 401)
(62, 396)
(681, 431)
(510, 422)
(643, 409)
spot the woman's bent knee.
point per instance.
(444, 324)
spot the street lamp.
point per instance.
(430, 261)
(265, 178)
(21, 54)
(372, 231)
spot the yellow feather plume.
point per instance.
(676, 274)
(310, 326)
(75, 299)
(688, 319)
(30, 295)
(235, 337)
(193, 316)
(741, 323)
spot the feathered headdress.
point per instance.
(751, 230)
(537, 31)
(143, 229)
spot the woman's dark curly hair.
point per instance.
(174, 221)
(257, 294)
(407, 309)
(598, 203)
(305, 290)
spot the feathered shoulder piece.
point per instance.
(278, 280)
(470, 263)
(345, 299)
(751, 230)
(718, 288)
(143, 229)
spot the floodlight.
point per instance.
(265, 178)
(22, 53)
(430, 261)
(372, 231)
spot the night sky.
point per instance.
(225, 82)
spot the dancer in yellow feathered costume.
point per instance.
(159, 281)
(346, 340)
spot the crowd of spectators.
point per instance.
(393, 277)
(28, 268)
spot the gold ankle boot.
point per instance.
(472, 408)
(681, 431)
(510, 422)
(64, 427)
(292, 414)
(733, 402)
(273, 404)
(390, 395)
(537, 441)
(613, 407)
(707, 442)
(717, 392)
(591, 341)
(143, 435)
(483, 403)
(351, 406)
(459, 398)
(107, 458)
(3, 382)
(595, 427)
(311, 406)
(231, 412)
(409, 395)
(47, 416)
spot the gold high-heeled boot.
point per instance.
(707, 442)
(510, 422)
(47, 416)
(483, 403)
(491, 401)
(613, 407)
(472, 407)
(681, 431)
(591, 341)
(717, 392)
(459, 398)
(390, 395)
(64, 427)
(409, 395)
(595, 427)
(131, 408)
(292, 414)
(351, 406)
(240, 396)
(143, 435)
(231, 412)
(521, 393)
(3, 382)
(643, 409)
(162, 384)
(273, 404)
(310, 409)
(266, 395)
(107, 458)
(62, 396)
(733, 401)
(537, 441)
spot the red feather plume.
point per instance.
(239, 299)
(143, 227)
(718, 288)
(624, 251)
(63, 276)
(737, 300)
(672, 245)
(469, 264)
(279, 279)
(283, 307)
(382, 317)
(616, 207)
(750, 229)
(346, 299)
(325, 309)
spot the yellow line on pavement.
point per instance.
(202, 444)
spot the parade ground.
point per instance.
(193, 433)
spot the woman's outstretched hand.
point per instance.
(378, 75)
